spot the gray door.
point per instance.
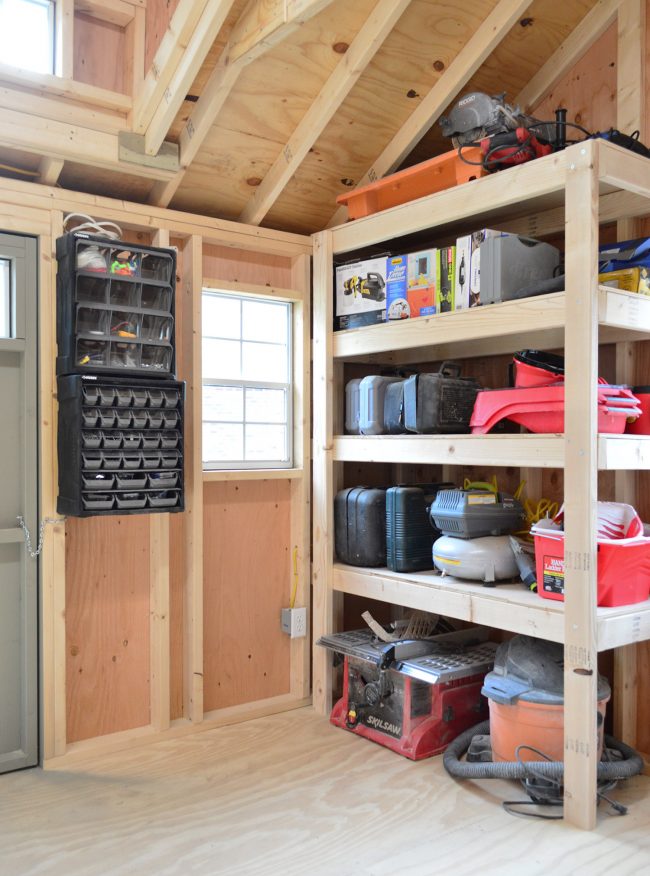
(18, 496)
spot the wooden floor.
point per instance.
(291, 794)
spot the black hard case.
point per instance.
(102, 297)
(409, 531)
(439, 403)
(394, 409)
(360, 526)
(142, 462)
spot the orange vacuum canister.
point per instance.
(525, 691)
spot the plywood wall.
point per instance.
(159, 14)
(99, 53)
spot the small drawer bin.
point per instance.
(171, 398)
(156, 358)
(151, 440)
(156, 328)
(164, 498)
(111, 460)
(123, 419)
(169, 439)
(111, 440)
(131, 460)
(107, 419)
(155, 397)
(132, 440)
(155, 419)
(97, 501)
(91, 290)
(91, 352)
(124, 294)
(125, 324)
(89, 417)
(91, 395)
(155, 298)
(106, 396)
(139, 419)
(124, 263)
(170, 459)
(92, 258)
(99, 481)
(163, 480)
(92, 321)
(156, 267)
(131, 480)
(91, 439)
(131, 500)
(170, 419)
(139, 397)
(91, 461)
(151, 460)
(123, 397)
(125, 355)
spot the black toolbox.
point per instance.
(360, 526)
(409, 531)
(439, 403)
(120, 445)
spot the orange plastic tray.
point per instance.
(431, 176)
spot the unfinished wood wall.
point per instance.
(159, 14)
(99, 53)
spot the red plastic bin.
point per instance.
(623, 569)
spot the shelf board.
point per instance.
(615, 452)
(497, 328)
(505, 607)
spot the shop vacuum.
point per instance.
(524, 737)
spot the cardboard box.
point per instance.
(360, 293)
(468, 267)
(622, 258)
(410, 285)
(445, 279)
(629, 280)
(397, 306)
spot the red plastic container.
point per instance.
(535, 368)
(642, 425)
(623, 569)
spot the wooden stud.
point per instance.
(200, 43)
(117, 12)
(64, 39)
(580, 486)
(193, 517)
(479, 47)
(134, 74)
(374, 31)
(68, 88)
(50, 170)
(592, 26)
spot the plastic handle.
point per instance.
(449, 369)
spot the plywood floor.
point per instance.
(292, 795)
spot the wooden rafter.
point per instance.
(262, 25)
(477, 49)
(49, 170)
(373, 33)
(592, 26)
(205, 33)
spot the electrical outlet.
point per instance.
(294, 622)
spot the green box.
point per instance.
(445, 279)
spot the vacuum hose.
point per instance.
(631, 765)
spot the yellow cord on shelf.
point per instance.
(294, 591)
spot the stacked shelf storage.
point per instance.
(588, 184)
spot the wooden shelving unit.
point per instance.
(576, 190)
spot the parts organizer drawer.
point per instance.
(120, 446)
(115, 307)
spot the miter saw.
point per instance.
(505, 135)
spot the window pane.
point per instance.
(5, 298)
(223, 403)
(221, 316)
(221, 359)
(265, 406)
(264, 362)
(26, 34)
(266, 443)
(265, 322)
(223, 442)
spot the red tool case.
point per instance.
(412, 696)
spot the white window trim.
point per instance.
(288, 388)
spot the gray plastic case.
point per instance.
(372, 394)
(352, 406)
(512, 265)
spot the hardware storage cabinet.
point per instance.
(115, 307)
(577, 190)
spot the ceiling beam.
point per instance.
(374, 31)
(205, 33)
(473, 54)
(45, 83)
(262, 25)
(49, 170)
(590, 28)
(166, 60)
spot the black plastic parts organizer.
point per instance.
(115, 307)
(120, 444)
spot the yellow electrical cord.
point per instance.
(12, 169)
(292, 601)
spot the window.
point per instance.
(27, 34)
(246, 382)
(6, 328)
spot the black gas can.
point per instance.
(360, 526)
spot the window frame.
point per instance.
(53, 7)
(288, 387)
